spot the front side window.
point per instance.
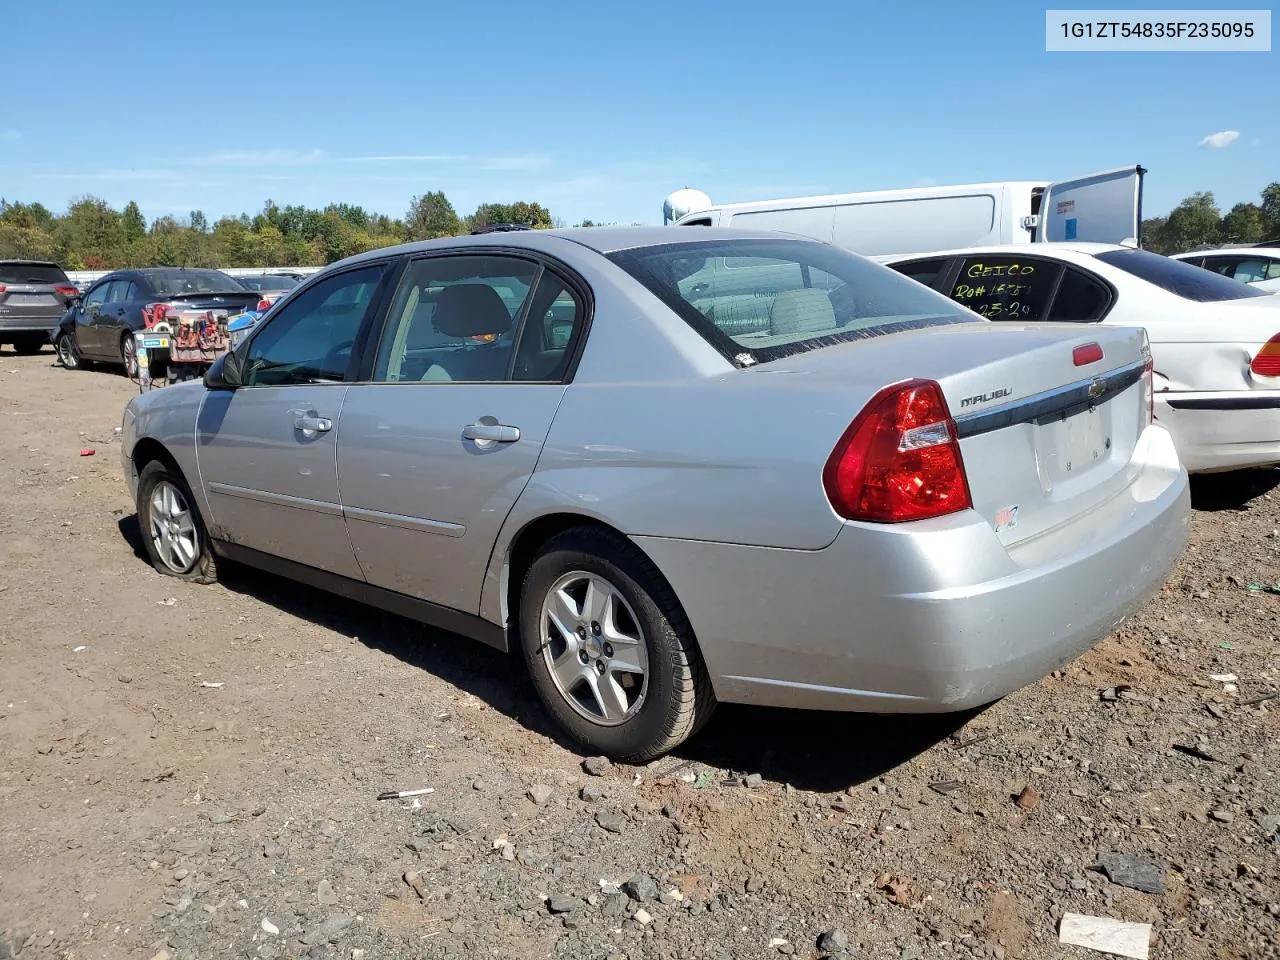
(454, 318)
(1178, 278)
(783, 297)
(98, 295)
(1250, 271)
(119, 291)
(1273, 270)
(1006, 288)
(311, 338)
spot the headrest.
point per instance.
(807, 310)
(471, 310)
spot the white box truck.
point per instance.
(1104, 207)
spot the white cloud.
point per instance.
(1223, 138)
(404, 158)
(526, 162)
(10, 136)
(258, 158)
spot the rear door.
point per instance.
(447, 424)
(267, 450)
(1102, 208)
(88, 319)
(110, 322)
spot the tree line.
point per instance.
(92, 235)
(1198, 222)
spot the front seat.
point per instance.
(472, 310)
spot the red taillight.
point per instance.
(1, 288)
(1267, 362)
(899, 459)
(66, 291)
(1086, 353)
(263, 305)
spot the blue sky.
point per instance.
(597, 109)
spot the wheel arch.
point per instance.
(524, 546)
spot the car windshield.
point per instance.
(267, 283)
(172, 283)
(1180, 279)
(758, 300)
(32, 273)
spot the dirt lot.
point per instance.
(192, 771)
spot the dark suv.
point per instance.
(34, 294)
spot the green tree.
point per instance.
(133, 223)
(1271, 210)
(1244, 223)
(93, 230)
(432, 215)
(198, 222)
(1195, 222)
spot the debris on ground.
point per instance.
(1118, 937)
(1133, 870)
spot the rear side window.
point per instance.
(1273, 270)
(1080, 298)
(1178, 278)
(782, 297)
(1006, 288)
(32, 273)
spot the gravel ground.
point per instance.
(193, 771)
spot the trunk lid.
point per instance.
(1044, 439)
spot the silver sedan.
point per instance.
(674, 468)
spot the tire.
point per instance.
(68, 352)
(633, 720)
(129, 355)
(29, 345)
(173, 532)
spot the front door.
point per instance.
(433, 453)
(267, 450)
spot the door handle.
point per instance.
(491, 433)
(313, 424)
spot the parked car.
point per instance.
(818, 485)
(34, 294)
(1215, 342)
(272, 287)
(1257, 266)
(100, 326)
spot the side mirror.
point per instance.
(225, 373)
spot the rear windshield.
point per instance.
(32, 273)
(171, 283)
(267, 283)
(758, 300)
(1182, 279)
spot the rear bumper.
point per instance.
(927, 617)
(41, 325)
(1228, 430)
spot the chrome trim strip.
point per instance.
(276, 499)
(417, 524)
(1051, 403)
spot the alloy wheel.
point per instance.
(594, 648)
(173, 528)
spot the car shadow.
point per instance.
(1213, 492)
(810, 750)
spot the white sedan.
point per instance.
(1215, 342)
(1257, 266)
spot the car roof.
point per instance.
(1043, 249)
(1271, 252)
(603, 240)
(28, 263)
